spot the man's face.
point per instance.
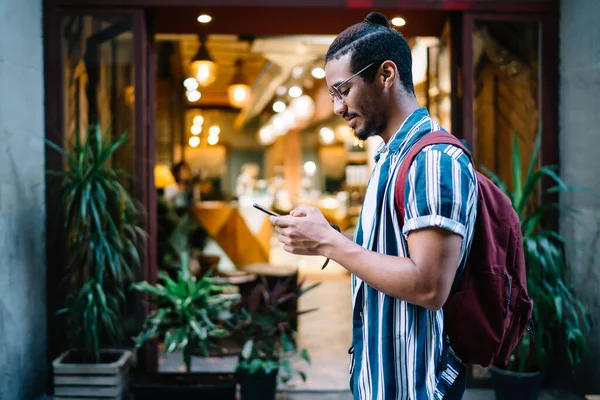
(360, 102)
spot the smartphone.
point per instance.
(258, 207)
(337, 228)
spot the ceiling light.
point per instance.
(318, 73)
(297, 71)
(213, 139)
(279, 106)
(190, 84)
(194, 141)
(214, 130)
(398, 21)
(193, 95)
(204, 18)
(310, 168)
(238, 94)
(202, 67)
(304, 107)
(238, 90)
(198, 120)
(281, 90)
(267, 135)
(327, 135)
(295, 91)
(196, 129)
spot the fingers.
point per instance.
(304, 211)
(282, 222)
(297, 213)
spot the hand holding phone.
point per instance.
(274, 214)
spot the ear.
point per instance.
(388, 73)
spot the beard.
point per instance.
(374, 123)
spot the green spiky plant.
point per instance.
(102, 231)
(190, 312)
(560, 319)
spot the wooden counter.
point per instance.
(243, 233)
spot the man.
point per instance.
(401, 277)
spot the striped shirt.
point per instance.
(399, 350)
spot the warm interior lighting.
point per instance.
(129, 95)
(239, 90)
(281, 90)
(266, 135)
(193, 95)
(204, 18)
(214, 130)
(213, 139)
(310, 168)
(194, 141)
(398, 21)
(203, 68)
(318, 73)
(238, 94)
(196, 129)
(163, 176)
(327, 135)
(297, 71)
(295, 91)
(279, 106)
(303, 107)
(190, 84)
(198, 120)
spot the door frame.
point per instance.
(144, 144)
(547, 96)
(463, 16)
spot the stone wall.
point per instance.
(579, 145)
(22, 212)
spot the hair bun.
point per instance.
(376, 18)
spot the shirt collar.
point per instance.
(398, 138)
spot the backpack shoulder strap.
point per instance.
(437, 137)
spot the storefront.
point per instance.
(488, 70)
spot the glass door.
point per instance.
(98, 74)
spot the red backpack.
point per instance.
(490, 309)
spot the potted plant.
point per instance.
(189, 317)
(268, 338)
(102, 234)
(560, 319)
(177, 230)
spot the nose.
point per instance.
(339, 107)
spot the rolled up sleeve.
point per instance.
(439, 186)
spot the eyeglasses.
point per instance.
(335, 92)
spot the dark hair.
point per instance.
(177, 167)
(374, 40)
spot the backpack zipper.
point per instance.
(509, 294)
